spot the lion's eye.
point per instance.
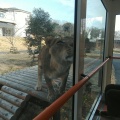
(60, 42)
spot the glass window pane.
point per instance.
(93, 54)
(117, 37)
(116, 53)
(90, 93)
(94, 34)
(39, 37)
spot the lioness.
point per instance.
(55, 60)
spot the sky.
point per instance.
(95, 17)
(61, 10)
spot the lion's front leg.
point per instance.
(63, 84)
(39, 81)
(51, 91)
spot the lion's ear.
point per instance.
(48, 40)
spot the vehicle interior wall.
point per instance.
(90, 52)
(112, 7)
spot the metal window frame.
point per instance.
(80, 15)
(79, 59)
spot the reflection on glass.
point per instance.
(93, 54)
(116, 53)
(116, 49)
(94, 34)
(90, 93)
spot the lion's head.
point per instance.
(61, 49)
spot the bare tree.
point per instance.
(11, 39)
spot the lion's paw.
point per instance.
(51, 97)
(38, 87)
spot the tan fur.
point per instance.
(54, 62)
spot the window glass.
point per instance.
(93, 53)
(117, 36)
(116, 53)
(94, 34)
(35, 36)
(90, 95)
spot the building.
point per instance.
(13, 22)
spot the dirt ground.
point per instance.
(19, 43)
(9, 61)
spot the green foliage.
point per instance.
(95, 32)
(40, 23)
(34, 42)
(68, 29)
(58, 30)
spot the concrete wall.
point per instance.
(21, 23)
(15, 20)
